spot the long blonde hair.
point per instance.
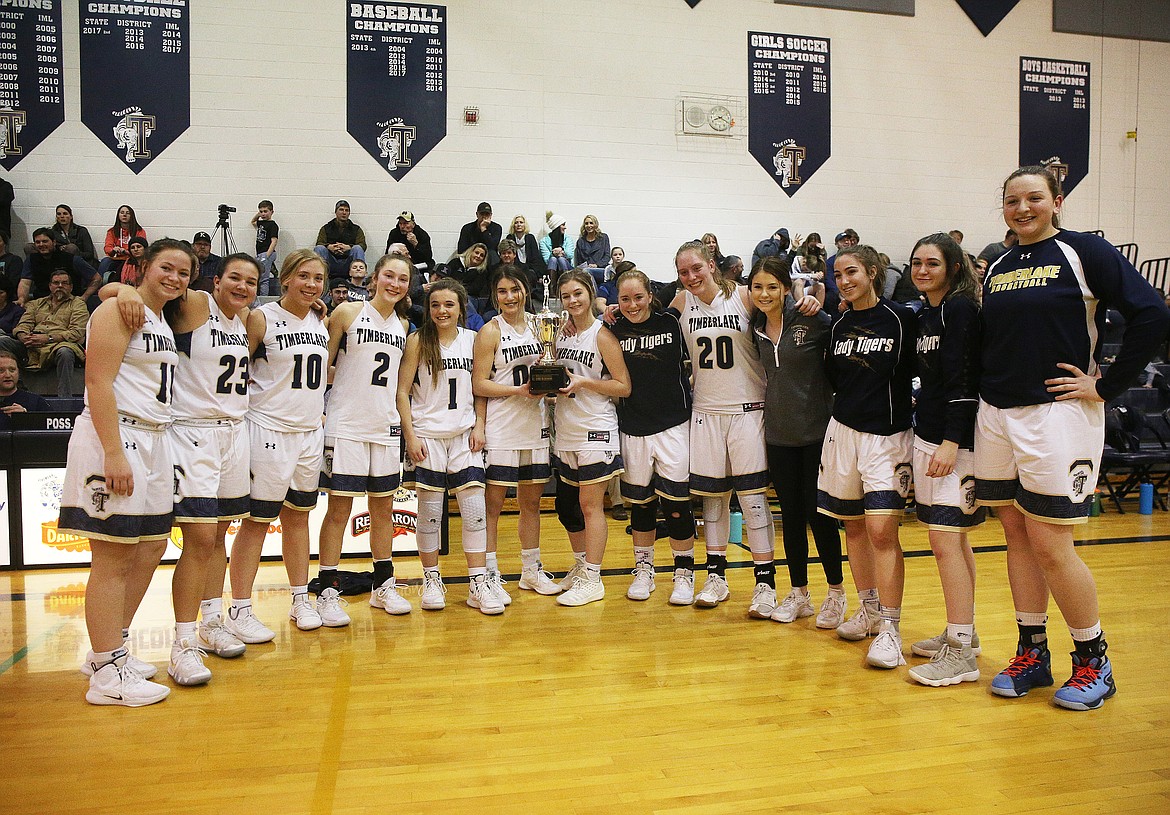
(726, 286)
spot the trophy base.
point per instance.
(547, 378)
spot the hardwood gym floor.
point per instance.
(611, 708)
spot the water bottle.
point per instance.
(736, 535)
(1095, 506)
(1146, 498)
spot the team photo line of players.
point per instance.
(200, 412)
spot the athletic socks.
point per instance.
(644, 554)
(716, 564)
(383, 571)
(1088, 642)
(766, 573)
(299, 592)
(593, 571)
(475, 571)
(185, 631)
(238, 606)
(962, 634)
(493, 564)
(211, 608)
(891, 614)
(1033, 626)
(685, 560)
(530, 558)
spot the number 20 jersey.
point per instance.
(287, 393)
(725, 363)
(212, 380)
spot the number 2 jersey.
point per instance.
(515, 422)
(725, 363)
(288, 372)
(145, 379)
(362, 404)
(212, 380)
(445, 409)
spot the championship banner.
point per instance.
(1054, 117)
(397, 81)
(31, 78)
(136, 76)
(789, 127)
(987, 14)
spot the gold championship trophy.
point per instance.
(547, 375)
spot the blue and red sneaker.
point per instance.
(1029, 668)
(1089, 686)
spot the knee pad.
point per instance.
(715, 508)
(756, 513)
(473, 510)
(429, 520)
(644, 517)
(680, 520)
(568, 506)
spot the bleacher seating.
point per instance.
(1129, 251)
(1157, 271)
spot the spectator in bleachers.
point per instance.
(267, 236)
(593, 248)
(993, 251)
(844, 240)
(132, 269)
(209, 263)
(808, 266)
(53, 331)
(72, 238)
(338, 293)
(117, 247)
(555, 248)
(732, 269)
(13, 399)
(10, 314)
(45, 261)
(341, 240)
(527, 249)
(11, 268)
(358, 287)
(471, 269)
(780, 244)
(482, 230)
(712, 243)
(414, 239)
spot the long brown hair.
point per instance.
(429, 349)
(400, 308)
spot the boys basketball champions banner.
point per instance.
(789, 116)
(1054, 117)
(136, 76)
(397, 81)
(31, 103)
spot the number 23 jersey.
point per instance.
(212, 380)
(287, 393)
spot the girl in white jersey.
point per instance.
(363, 435)
(119, 487)
(517, 426)
(443, 426)
(727, 422)
(210, 447)
(588, 450)
(289, 344)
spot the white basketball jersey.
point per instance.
(362, 404)
(588, 421)
(146, 377)
(288, 372)
(212, 380)
(445, 409)
(515, 422)
(725, 362)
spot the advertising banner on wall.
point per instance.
(789, 115)
(1054, 117)
(32, 105)
(44, 545)
(396, 81)
(136, 76)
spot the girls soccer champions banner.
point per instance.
(1054, 117)
(396, 81)
(31, 103)
(789, 126)
(136, 76)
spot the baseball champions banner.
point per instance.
(1054, 117)
(397, 81)
(31, 103)
(136, 76)
(789, 116)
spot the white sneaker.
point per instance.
(214, 638)
(143, 669)
(643, 584)
(329, 609)
(952, 664)
(860, 625)
(496, 581)
(578, 570)
(116, 683)
(714, 591)
(187, 666)
(247, 627)
(304, 614)
(796, 605)
(481, 594)
(684, 588)
(833, 610)
(584, 591)
(387, 597)
(763, 602)
(886, 649)
(930, 647)
(433, 591)
(539, 581)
